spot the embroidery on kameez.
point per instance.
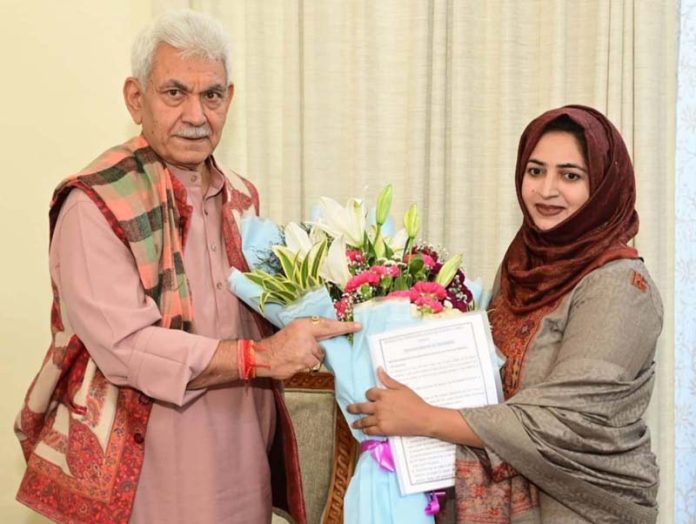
(639, 281)
(512, 334)
(480, 498)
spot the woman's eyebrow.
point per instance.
(565, 165)
(572, 166)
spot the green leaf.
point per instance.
(303, 271)
(281, 289)
(407, 248)
(285, 258)
(256, 278)
(386, 284)
(415, 265)
(277, 298)
(262, 300)
(401, 283)
(368, 249)
(316, 257)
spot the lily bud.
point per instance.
(380, 247)
(412, 221)
(448, 270)
(383, 205)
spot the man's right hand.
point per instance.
(296, 347)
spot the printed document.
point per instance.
(449, 363)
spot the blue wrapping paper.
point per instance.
(373, 495)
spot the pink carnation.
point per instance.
(430, 289)
(384, 271)
(428, 303)
(366, 277)
(355, 256)
(400, 294)
(342, 307)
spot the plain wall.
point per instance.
(63, 66)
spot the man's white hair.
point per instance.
(192, 33)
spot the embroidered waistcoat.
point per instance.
(82, 436)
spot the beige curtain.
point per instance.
(340, 97)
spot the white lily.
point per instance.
(335, 265)
(316, 235)
(397, 242)
(348, 221)
(297, 240)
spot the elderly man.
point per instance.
(155, 402)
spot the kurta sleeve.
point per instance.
(578, 434)
(110, 312)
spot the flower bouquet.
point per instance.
(343, 265)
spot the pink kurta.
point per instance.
(206, 450)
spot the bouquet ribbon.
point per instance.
(433, 506)
(380, 451)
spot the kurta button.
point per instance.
(138, 437)
(194, 178)
(218, 285)
(205, 212)
(143, 399)
(213, 247)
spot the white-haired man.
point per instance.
(154, 403)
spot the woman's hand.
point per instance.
(396, 410)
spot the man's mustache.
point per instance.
(193, 132)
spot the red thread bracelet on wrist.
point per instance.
(244, 352)
(246, 358)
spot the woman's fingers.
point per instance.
(373, 394)
(369, 425)
(362, 408)
(365, 422)
(385, 379)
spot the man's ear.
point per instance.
(133, 95)
(230, 95)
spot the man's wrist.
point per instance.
(252, 359)
(221, 369)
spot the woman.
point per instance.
(577, 316)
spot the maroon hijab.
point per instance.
(542, 266)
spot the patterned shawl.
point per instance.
(539, 269)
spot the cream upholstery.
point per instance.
(327, 449)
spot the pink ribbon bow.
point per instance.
(382, 454)
(433, 506)
(380, 451)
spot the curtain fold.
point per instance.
(685, 273)
(340, 97)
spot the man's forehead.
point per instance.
(173, 65)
